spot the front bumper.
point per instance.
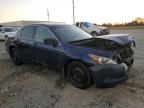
(108, 75)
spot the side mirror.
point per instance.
(51, 41)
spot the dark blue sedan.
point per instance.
(82, 58)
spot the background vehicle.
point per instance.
(93, 29)
(6, 31)
(82, 58)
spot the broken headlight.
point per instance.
(101, 60)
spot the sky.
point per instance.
(95, 11)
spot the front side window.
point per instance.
(1, 30)
(8, 29)
(28, 32)
(42, 33)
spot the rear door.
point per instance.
(47, 54)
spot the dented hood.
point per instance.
(118, 38)
(107, 42)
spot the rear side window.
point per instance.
(28, 32)
(42, 33)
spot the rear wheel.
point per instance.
(79, 75)
(14, 56)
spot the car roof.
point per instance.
(49, 24)
(6, 27)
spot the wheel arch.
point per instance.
(10, 47)
(6, 36)
(94, 32)
(69, 62)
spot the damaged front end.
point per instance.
(108, 75)
(124, 54)
(121, 45)
(113, 58)
(114, 74)
(108, 72)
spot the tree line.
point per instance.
(136, 22)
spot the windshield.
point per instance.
(69, 33)
(8, 29)
(86, 24)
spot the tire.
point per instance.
(6, 36)
(79, 75)
(14, 56)
(94, 34)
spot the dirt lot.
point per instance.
(35, 86)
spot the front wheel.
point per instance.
(14, 56)
(94, 34)
(79, 75)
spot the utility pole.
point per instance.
(48, 14)
(73, 12)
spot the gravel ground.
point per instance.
(35, 86)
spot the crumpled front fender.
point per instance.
(108, 75)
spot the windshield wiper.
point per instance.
(81, 40)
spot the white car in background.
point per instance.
(6, 32)
(93, 29)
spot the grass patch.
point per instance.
(128, 27)
(61, 82)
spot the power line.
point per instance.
(48, 14)
(73, 12)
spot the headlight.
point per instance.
(101, 60)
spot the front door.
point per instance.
(47, 54)
(26, 43)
